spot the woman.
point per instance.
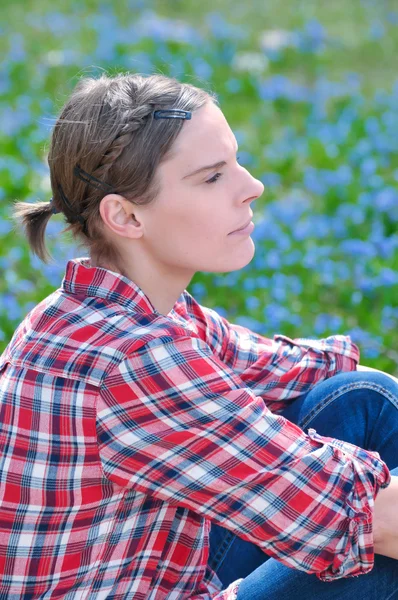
(138, 427)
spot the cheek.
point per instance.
(189, 223)
(199, 225)
(179, 234)
(208, 233)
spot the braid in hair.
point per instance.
(122, 140)
(134, 121)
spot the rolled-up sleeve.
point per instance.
(177, 424)
(278, 369)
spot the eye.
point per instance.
(214, 178)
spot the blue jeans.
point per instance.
(357, 407)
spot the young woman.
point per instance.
(148, 447)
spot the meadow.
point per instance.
(310, 89)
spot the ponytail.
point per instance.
(34, 219)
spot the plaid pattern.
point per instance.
(125, 433)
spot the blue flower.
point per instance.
(199, 290)
(250, 323)
(356, 297)
(273, 259)
(325, 322)
(387, 246)
(368, 166)
(249, 284)
(233, 85)
(151, 25)
(280, 86)
(371, 346)
(358, 248)
(270, 179)
(386, 200)
(389, 318)
(392, 17)
(16, 52)
(202, 68)
(221, 29)
(313, 37)
(221, 311)
(377, 30)
(10, 307)
(5, 226)
(252, 302)
(387, 277)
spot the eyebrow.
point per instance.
(216, 165)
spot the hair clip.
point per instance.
(91, 180)
(65, 200)
(172, 113)
(53, 208)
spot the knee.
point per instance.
(375, 379)
(366, 386)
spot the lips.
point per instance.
(243, 226)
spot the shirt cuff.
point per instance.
(353, 553)
(231, 593)
(343, 353)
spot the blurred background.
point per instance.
(310, 89)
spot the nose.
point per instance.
(253, 188)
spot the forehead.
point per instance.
(206, 135)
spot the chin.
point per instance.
(237, 260)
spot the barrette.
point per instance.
(91, 180)
(172, 113)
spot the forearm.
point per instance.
(385, 517)
(385, 520)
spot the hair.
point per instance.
(107, 129)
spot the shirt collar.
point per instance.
(82, 279)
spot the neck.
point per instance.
(161, 285)
(162, 291)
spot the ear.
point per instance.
(120, 216)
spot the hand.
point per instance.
(385, 520)
(385, 515)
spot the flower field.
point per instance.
(311, 92)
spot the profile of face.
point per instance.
(204, 196)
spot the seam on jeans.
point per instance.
(222, 550)
(216, 561)
(348, 387)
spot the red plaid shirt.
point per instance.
(125, 433)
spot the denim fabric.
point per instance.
(357, 407)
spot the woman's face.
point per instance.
(205, 195)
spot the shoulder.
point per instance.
(86, 340)
(204, 318)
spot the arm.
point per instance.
(280, 369)
(176, 424)
(386, 521)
